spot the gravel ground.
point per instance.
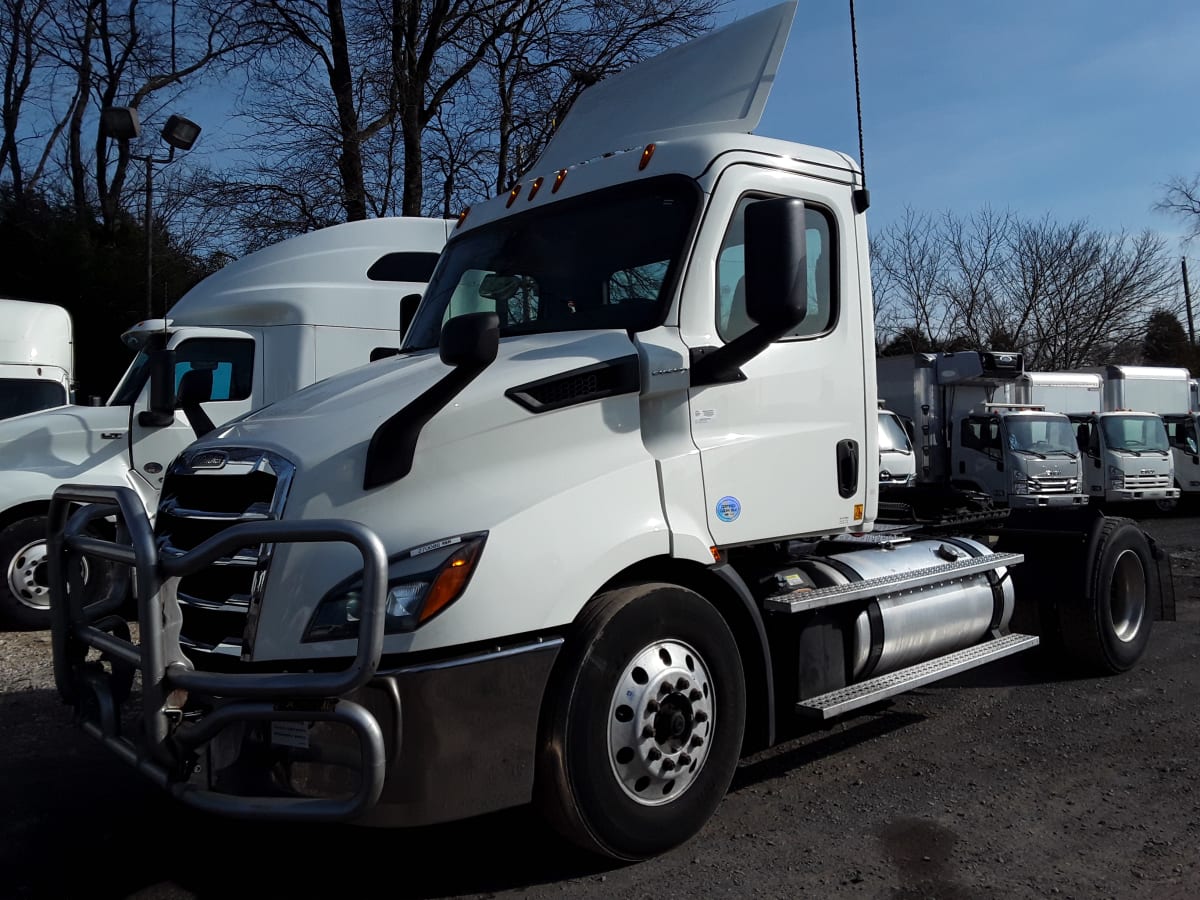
(1006, 782)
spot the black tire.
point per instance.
(599, 782)
(24, 594)
(1106, 626)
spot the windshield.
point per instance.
(892, 435)
(135, 376)
(608, 259)
(1041, 435)
(1135, 434)
(25, 395)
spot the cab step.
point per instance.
(804, 600)
(827, 706)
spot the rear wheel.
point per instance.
(25, 590)
(1106, 626)
(645, 723)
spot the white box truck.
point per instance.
(37, 357)
(606, 523)
(1125, 453)
(897, 462)
(259, 329)
(970, 443)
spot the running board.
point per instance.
(873, 690)
(804, 600)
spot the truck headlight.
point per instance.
(421, 583)
(1116, 478)
(1020, 482)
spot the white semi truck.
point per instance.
(605, 523)
(37, 357)
(1014, 454)
(259, 329)
(1124, 448)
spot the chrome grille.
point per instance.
(1045, 485)
(1142, 482)
(205, 492)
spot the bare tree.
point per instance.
(23, 24)
(911, 261)
(1181, 198)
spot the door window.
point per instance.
(230, 360)
(732, 320)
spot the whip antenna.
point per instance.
(862, 197)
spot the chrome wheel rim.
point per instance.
(660, 722)
(1128, 600)
(27, 576)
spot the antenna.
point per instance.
(862, 197)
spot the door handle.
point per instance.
(847, 467)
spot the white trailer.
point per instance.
(249, 335)
(1015, 454)
(1126, 458)
(37, 357)
(606, 523)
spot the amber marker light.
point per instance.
(716, 554)
(451, 581)
(513, 194)
(462, 217)
(537, 186)
(646, 154)
(558, 180)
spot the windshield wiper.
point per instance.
(1126, 450)
(1031, 452)
(1065, 453)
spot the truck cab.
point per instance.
(247, 336)
(1182, 436)
(1127, 457)
(37, 355)
(1022, 456)
(897, 464)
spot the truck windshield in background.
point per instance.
(1135, 434)
(25, 395)
(1041, 435)
(608, 259)
(892, 435)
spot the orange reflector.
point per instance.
(558, 180)
(715, 553)
(462, 217)
(646, 154)
(513, 194)
(858, 511)
(537, 184)
(451, 580)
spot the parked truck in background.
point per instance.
(259, 329)
(37, 357)
(1124, 449)
(897, 462)
(605, 523)
(969, 442)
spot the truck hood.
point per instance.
(63, 439)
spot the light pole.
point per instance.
(121, 122)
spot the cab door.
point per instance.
(230, 359)
(789, 449)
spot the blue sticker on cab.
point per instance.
(728, 509)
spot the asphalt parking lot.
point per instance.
(1009, 781)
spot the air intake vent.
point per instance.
(607, 379)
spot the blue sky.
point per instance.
(1062, 107)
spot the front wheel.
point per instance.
(25, 590)
(645, 723)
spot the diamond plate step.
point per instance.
(802, 601)
(826, 706)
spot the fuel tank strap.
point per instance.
(994, 580)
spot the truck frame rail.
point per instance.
(164, 747)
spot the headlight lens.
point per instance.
(1116, 478)
(1020, 482)
(421, 583)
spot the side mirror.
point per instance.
(408, 311)
(470, 342)
(195, 387)
(162, 391)
(776, 264)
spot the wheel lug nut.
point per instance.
(682, 684)
(695, 694)
(701, 716)
(648, 731)
(652, 706)
(696, 741)
(668, 765)
(654, 754)
(665, 688)
(684, 759)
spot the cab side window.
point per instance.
(229, 361)
(732, 320)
